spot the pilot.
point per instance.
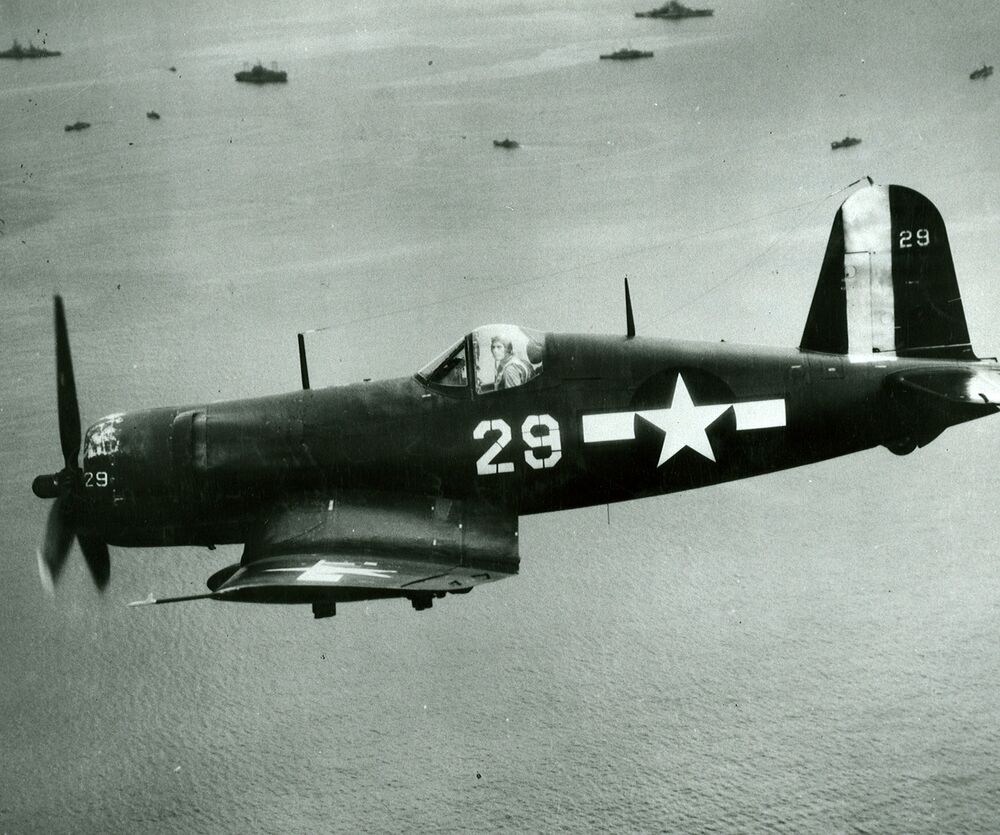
(511, 370)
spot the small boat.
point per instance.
(675, 11)
(261, 75)
(152, 114)
(985, 71)
(78, 126)
(505, 143)
(846, 142)
(627, 55)
(30, 51)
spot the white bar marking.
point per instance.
(617, 426)
(760, 414)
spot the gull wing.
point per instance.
(353, 545)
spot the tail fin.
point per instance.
(888, 282)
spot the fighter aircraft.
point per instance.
(412, 488)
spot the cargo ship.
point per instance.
(676, 11)
(261, 75)
(18, 52)
(627, 55)
(846, 142)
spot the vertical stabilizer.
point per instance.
(888, 284)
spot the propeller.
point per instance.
(64, 523)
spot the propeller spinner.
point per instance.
(66, 487)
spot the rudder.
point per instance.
(888, 283)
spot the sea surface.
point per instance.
(809, 652)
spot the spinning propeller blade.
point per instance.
(56, 543)
(69, 409)
(66, 487)
(95, 552)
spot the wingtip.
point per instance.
(150, 601)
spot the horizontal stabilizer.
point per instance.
(971, 386)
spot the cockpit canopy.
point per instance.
(503, 357)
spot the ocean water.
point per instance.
(813, 651)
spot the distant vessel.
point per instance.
(676, 11)
(78, 126)
(627, 55)
(506, 143)
(152, 114)
(261, 75)
(846, 142)
(985, 71)
(30, 51)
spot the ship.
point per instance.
(261, 75)
(30, 51)
(78, 126)
(675, 11)
(627, 55)
(506, 143)
(985, 71)
(846, 142)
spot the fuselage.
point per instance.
(608, 419)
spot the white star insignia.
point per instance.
(326, 571)
(684, 424)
